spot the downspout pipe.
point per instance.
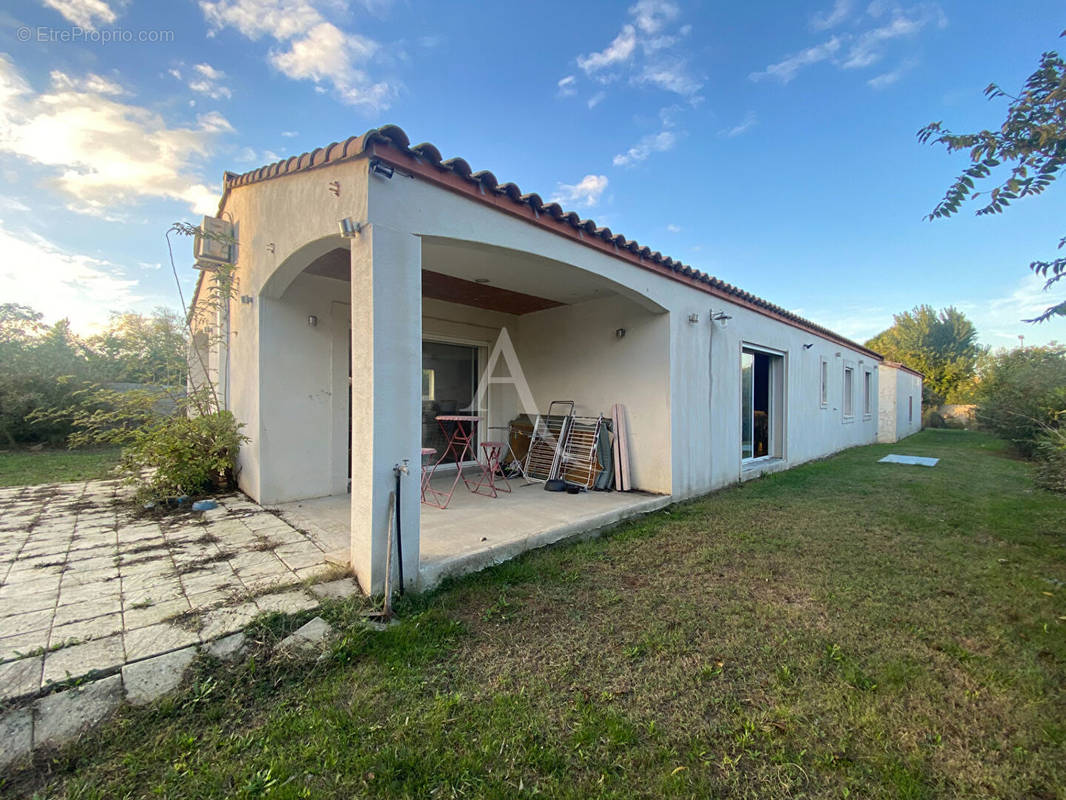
(399, 470)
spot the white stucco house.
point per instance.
(899, 401)
(434, 263)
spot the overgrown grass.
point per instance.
(845, 629)
(28, 467)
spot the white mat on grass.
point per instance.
(921, 461)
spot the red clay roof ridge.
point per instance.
(394, 136)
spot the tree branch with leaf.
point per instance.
(1032, 140)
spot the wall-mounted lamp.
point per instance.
(335, 188)
(312, 320)
(246, 299)
(350, 228)
(270, 247)
(620, 333)
(808, 346)
(693, 318)
(382, 170)
(721, 318)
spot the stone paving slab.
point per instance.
(148, 680)
(62, 716)
(89, 584)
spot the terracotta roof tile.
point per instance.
(394, 136)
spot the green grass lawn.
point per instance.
(844, 629)
(26, 467)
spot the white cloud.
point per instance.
(745, 125)
(585, 192)
(312, 48)
(837, 14)
(673, 228)
(784, 71)
(671, 75)
(248, 155)
(64, 284)
(596, 99)
(870, 46)
(105, 153)
(567, 86)
(92, 83)
(207, 80)
(999, 321)
(84, 13)
(290, 134)
(13, 205)
(863, 49)
(652, 143)
(645, 53)
(651, 15)
(886, 79)
(617, 52)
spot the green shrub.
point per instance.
(1051, 464)
(172, 444)
(183, 455)
(931, 418)
(1021, 393)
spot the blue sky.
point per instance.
(770, 144)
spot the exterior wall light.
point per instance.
(382, 170)
(693, 318)
(620, 333)
(721, 318)
(312, 320)
(350, 228)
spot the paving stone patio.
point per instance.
(89, 583)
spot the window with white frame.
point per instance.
(849, 392)
(823, 397)
(867, 402)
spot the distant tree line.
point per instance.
(48, 367)
(1019, 394)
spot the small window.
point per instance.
(849, 390)
(910, 409)
(824, 383)
(866, 402)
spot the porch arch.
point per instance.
(297, 262)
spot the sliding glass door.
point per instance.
(449, 381)
(747, 408)
(760, 377)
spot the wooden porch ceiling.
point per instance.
(336, 264)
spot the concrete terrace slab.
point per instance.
(476, 531)
(88, 584)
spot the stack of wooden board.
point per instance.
(621, 448)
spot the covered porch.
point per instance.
(500, 335)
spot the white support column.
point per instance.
(386, 398)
